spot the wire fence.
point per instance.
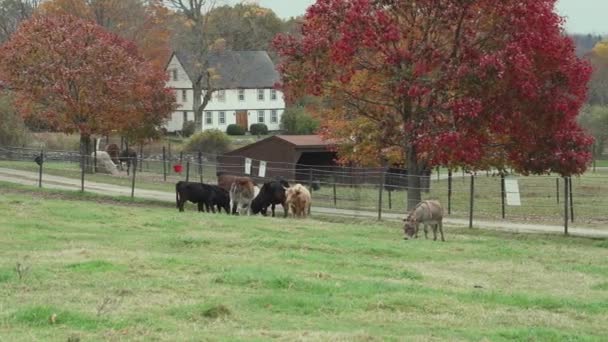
(373, 192)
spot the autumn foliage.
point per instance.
(475, 84)
(80, 78)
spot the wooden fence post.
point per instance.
(40, 169)
(133, 180)
(164, 164)
(335, 197)
(502, 193)
(566, 206)
(571, 195)
(471, 201)
(82, 167)
(187, 171)
(200, 165)
(449, 191)
(380, 188)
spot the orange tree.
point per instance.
(79, 78)
(470, 83)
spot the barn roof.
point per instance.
(237, 69)
(307, 141)
(298, 141)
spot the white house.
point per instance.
(246, 81)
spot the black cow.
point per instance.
(206, 196)
(271, 194)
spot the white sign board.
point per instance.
(262, 169)
(512, 190)
(247, 166)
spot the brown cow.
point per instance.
(427, 212)
(298, 199)
(242, 192)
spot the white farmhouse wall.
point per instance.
(230, 105)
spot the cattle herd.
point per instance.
(240, 195)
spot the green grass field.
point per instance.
(93, 268)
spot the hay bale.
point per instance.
(105, 164)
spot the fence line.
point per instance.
(542, 196)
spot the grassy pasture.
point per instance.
(94, 268)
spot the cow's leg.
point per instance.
(199, 205)
(234, 207)
(180, 205)
(416, 228)
(441, 230)
(434, 232)
(272, 208)
(426, 231)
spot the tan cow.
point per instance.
(426, 213)
(242, 192)
(298, 200)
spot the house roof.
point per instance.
(236, 69)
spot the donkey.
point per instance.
(427, 213)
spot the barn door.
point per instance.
(241, 119)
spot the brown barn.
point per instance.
(308, 153)
(306, 158)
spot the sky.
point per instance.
(582, 16)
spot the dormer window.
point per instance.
(174, 75)
(221, 95)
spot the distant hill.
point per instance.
(585, 42)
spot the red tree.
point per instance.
(475, 84)
(80, 78)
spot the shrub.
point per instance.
(211, 141)
(188, 128)
(296, 121)
(258, 129)
(12, 129)
(234, 129)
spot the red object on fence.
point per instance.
(178, 168)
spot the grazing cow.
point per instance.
(128, 157)
(298, 200)
(242, 193)
(114, 153)
(204, 195)
(428, 213)
(271, 194)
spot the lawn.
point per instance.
(92, 268)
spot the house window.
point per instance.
(274, 116)
(241, 94)
(273, 94)
(261, 94)
(185, 116)
(222, 118)
(209, 118)
(260, 116)
(184, 95)
(221, 95)
(174, 74)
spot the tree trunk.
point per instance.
(414, 174)
(197, 93)
(85, 150)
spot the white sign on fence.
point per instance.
(512, 190)
(247, 166)
(262, 169)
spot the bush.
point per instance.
(234, 129)
(12, 129)
(296, 121)
(258, 129)
(188, 128)
(211, 141)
